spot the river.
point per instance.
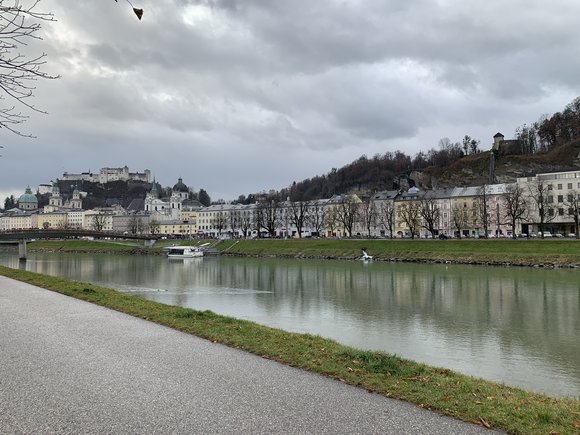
(518, 326)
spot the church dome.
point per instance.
(28, 198)
(180, 186)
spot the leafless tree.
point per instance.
(573, 204)
(154, 227)
(387, 217)
(540, 193)
(316, 216)
(267, 214)
(430, 213)
(19, 24)
(368, 215)
(331, 219)
(135, 224)
(235, 221)
(410, 213)
(347, 213)
(298, 215)
(459, 219)
(516, 207)
(99, 221)
(246, 222)
(483, 209)
(220, 222)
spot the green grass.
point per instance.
(128, 247)
(445, 391)
(504, 251)
(552, 252)
(108, 246)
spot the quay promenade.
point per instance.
(70, 367)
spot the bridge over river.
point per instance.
(20, 237)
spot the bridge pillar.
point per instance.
(149, 243)
(22, 250)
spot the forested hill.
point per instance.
(375, 174)
(550, 144)
(397, 170)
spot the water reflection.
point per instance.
(518, 326)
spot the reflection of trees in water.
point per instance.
(538, 310)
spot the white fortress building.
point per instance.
(107, 175)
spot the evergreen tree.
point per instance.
(204, 198)
(9, 202)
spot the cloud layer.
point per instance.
(240, 96)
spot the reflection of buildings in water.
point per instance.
(529, 312)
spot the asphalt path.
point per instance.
(71, 367)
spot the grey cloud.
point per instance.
(272, 91)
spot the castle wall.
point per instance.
(107, 175)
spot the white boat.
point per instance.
(184, 252)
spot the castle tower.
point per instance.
(497, 139)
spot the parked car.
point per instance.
(572, 235)
(547, 234)
(558, 235)
(443, 237)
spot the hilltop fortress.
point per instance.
(106, 175)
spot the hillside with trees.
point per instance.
(549, 144)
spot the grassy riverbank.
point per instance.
(92, 246)
(504, 251)
(551, 253)
(450, 393)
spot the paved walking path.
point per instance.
(67, 366)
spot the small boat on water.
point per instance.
(184, 252)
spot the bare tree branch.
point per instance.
(18, 25)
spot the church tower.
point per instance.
(55, 201)
(76, 203)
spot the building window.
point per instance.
(561, 211)
(569, 185)
(559, 187)
(550, 199)
(560, 199)
(550, 187)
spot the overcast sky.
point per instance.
(239, 96)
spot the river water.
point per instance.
(518, 326)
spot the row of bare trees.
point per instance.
(347, 215)
(344, 215)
